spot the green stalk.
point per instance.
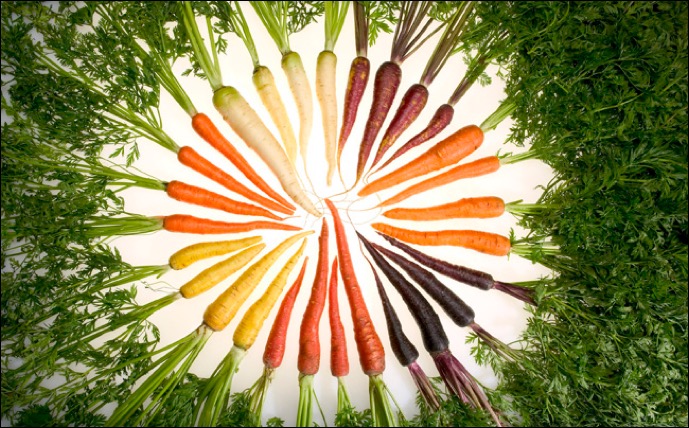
(209, 65)
(257, 395)
(187, 348)
(273, 15)
(241, 28)
(504, 110)
(381, 410)
(335, 14)
(214, 398)
(119, 226)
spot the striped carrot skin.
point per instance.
(410, 108)
(385, 86)
(440, 120)
(447, 152)
(193, 253)
(199, 196)
(356, 85)
(184, 223)
(476, 168)
(484, 242)
(205, 127)
(191, 158)
(480, 207)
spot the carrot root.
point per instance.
(189, 224)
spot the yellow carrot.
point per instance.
(301, 91)
(250, 325)
(326, 92)
(268, 91)
(218, 272)
(203, 250)
(219, 313)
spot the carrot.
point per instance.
(213, 275)
(369, 346)
(199, 196)
(190, 158)
(385, 85)
(480, 207)
(434, 338)
(339, 360)
(476, 168)
(213, 398)
(275, 345)
(415, 98)
(408, 38)
(359, 71)
(463, 274)
(484, 242)
(447, 152)
(189, 224)
(308, 361)
(241, 117)
(203, 126)
(203, 250)
(275, 348)
(405, 351)
(222, 310)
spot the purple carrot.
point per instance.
(415, 98)
(453, 373)
(475, 278)
(358, 77)
(405, 351)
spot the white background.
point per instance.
(498, 313)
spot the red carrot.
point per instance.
(196, 195)
(275, 345)
(190, 224)
(189, 157)
(339, 360)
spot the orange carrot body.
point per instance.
(484, 242)
(447, 152)
(476, 168)
(205, 127)
(339, 360)
(481, 207)
(308, 360)
(275, 345)
(189, 157)
(189, 224)
(196, 195)
(369, 345)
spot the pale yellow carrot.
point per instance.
(203, 250)
(326, 67)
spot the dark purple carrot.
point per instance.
(456, 377)
(358, 77)
(415, 98)
(463, 274)
(458, 311)
(405, 351)
(413, 22)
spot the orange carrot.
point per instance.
(203, 126)
(339, 360)
(189, 157)
(484, 242)
(476, 168)
(369, 345)
(308, 360)
(189, 224)
(481, 207)
(196, 195)
(447, 152)
(275, 345)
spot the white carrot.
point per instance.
(326, 72)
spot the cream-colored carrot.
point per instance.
(326, 71)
